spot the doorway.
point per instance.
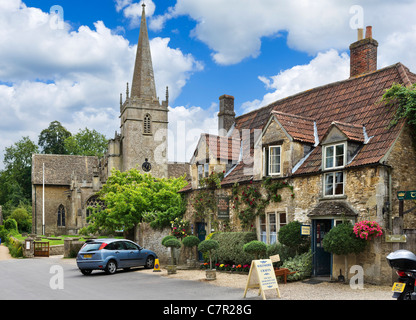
(322, 260)
(201, 233)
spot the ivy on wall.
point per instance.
(249, 201)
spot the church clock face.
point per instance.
(146, 166)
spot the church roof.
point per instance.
(350, 104)
(59, 169)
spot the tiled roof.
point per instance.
(354, 132)
(59, 169)
(352, 104)
(298, 127)
(219, 147)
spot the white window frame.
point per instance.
(265, 233)
(269, 162)
(334, 184)
(334, 156)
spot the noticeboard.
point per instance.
(305, 230)
(262, 276)
(223, 205)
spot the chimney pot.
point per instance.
(368, 32)
(360, 33)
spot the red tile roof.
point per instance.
(298, 127)
(352, 104)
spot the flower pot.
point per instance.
(211, 274)
(171, 269)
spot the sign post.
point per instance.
(262, 276)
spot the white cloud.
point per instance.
(326, 67)
(233, 29)
(185, 127)
(133, 10)
(73, 76)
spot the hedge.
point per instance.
(231, 247)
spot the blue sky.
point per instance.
(256, 50)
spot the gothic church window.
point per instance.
(61, 216)
(147, 126)
(93, 202)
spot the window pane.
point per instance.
(274, 160)
(340, 155)
(206, 170)
(263, 235)
(282, 219)
(339, 183)
(329, 184)
(329, 157)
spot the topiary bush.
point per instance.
(167, 238)
(208, 246)
(190, 241)
(172, 243)
(255, 247)
(290, 236)
(231, 244)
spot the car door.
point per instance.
(134, 254)
(118, 251)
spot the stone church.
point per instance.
(64, 186)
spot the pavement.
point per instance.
(4, 253)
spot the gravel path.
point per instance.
(4, 253)
(299, 290)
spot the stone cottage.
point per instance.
(332, 154)
(64, 186)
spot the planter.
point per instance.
(171, 269)
(211, 274)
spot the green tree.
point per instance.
(52, 139)
(341, 240)
(86, 143)
(131, 197)
(15, 179)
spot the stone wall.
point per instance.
(152, 239)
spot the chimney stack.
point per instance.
(363, 54)
(226, 116)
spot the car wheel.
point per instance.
(86, 272)
(111, 267)
(150, 262)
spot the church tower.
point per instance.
(144, 120)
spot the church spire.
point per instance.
(143, 85)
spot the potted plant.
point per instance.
(341, 240)
(208, 246)
(171, 243)
(191, 242)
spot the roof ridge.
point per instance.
(402, 70)
(292, 115)
(323, 86)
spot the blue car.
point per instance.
(112, 254)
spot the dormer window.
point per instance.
(274, 160)
(334, 156)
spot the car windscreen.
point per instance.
(92, 246)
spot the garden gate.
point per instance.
(41, 249)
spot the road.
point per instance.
(57, 279)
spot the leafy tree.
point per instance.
(15, 180)
(52, 139)
(23, 219)
(208, 246)
(131, 197)
(86, 143)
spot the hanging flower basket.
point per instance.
(367, 230)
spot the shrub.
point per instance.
(283, 251)
(172, 243)
(11, 225)
(341, 240)
(167, 238)
(302, 264)
(208, 246)
(23, 219)
(190, 241)
(290, 236)
(255, 247)
(231, 244)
